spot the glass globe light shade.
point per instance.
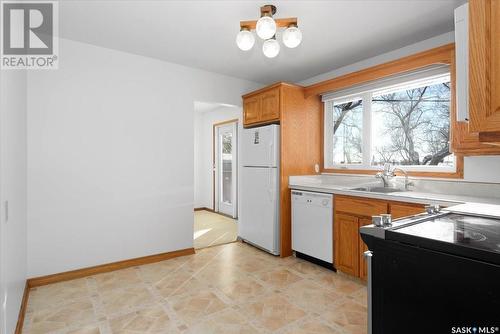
(292, 37)
(245, 40)
(266, 27)
(271, 48)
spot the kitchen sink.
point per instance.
(378, 189)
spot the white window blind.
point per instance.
(391, 83)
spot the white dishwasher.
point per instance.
(312, 225)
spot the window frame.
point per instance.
(367, 138)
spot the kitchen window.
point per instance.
(403, 120)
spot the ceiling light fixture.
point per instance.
(245, 39)
(292, 36)
(271, 48)
(266, 28)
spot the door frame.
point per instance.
(214, 157)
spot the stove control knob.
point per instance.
(431, 209)
(386, 219)
(377, 221)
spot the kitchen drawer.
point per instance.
(360, 206)
(399, 210)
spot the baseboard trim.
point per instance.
(79, 273)
(104, 268)
(211, 210)
(22, 310)
(204, 209)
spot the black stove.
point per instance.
(434, 273)
(469, 236)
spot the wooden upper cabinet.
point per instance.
(263, 106)
(252, 110)
(463, 141)
(484, 68)
(270, 105)
(346, 255)
(400, 210)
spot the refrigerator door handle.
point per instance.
(271, 146)
(269, 184)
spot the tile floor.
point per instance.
(233, 288)
(212, 229)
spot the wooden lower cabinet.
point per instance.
(347, 244)
(350, 214)
(363, 270)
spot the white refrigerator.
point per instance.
(259, 218)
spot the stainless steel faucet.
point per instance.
(386, 174)
(389, 172)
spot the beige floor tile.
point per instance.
(179, 283)
(279, 278)
(91, 329)
(119, 300)
(57, 294)
(194, 307)
(213, 229)
(339, 283)
(309, 269)
(360, 297)
(53, 318)
(312, 327)
(272, 312)
(152, 319)
(348, 314)
(155, 272)
(233, 288)
(311, 296)
(243, 290)
(226, 322)
(220, 276)
(116, 279)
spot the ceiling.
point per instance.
(202, 34)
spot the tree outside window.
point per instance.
(409, 126)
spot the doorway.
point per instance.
(216, 130)
(225, 168)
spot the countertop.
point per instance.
(320, 183)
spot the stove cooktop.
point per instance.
(464, 235)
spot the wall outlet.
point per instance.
(316, 168)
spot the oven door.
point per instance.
(415, 290)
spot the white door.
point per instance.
(259, 214)
(226, 179)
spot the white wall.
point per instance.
(384, 58)
(204, 122)
(482, 169)
(110, 156)
(12, 189)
